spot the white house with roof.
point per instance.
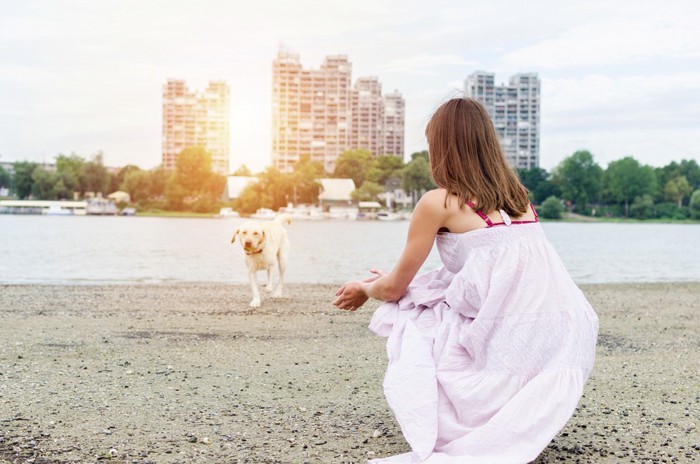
(336, 192)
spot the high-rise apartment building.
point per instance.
(367, 115)
(196, 119)
(317, 112)
(515, 111)
(394, 121)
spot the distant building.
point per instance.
(367, 130)
(394, 118)
(515, 111)
(317, 112)
(394, 196)
(196, 119)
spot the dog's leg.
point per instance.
(268, 287)
(282, 265)
(255, 302)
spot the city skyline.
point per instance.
(617, 79)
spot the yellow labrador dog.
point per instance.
(264, 244)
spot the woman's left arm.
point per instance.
(428, 216)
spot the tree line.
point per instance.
(193, 186)
(275, 189)
(625, 188)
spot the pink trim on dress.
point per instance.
(490, 223)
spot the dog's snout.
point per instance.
(248, 243)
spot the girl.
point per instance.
(488, 354)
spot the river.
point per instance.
(93, 250)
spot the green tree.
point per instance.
(175, 194)
(159, 177)
(48, 185)
(194, 185)
(70, 170)
(277, 187)
(22, 179)
(95, 176)
(384, 167)
(678, 188)
(137, 184)
(695, 205)
(626, 179)
(642, 207)
(353, 164)
(416, 178)
(273, 191)
(304, 183)
(193, 169)
(686, 168)
(552, 208)
(691, 171)
(580, 179)
(118, 179)
(5, 178)
(425, 154)
(369, 191)
(539, 182)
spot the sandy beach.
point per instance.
(187, 373)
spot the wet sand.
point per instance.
(188, 374)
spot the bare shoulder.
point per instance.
(431, 207)
(433, 198)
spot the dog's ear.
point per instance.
(235, 234)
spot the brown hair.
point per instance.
(467, 160)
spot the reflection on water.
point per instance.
(40, 249)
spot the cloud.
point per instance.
(653, 117)
(425, 64)
(622, 36)
(658, 100)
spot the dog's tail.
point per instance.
(284, 219)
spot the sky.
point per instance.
(618, 78)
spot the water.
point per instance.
(87, 250)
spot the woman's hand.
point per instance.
(351, 295)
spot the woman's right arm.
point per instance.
(428, 216)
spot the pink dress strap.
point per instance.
(480, 213)
(534, 211)
(490, 223)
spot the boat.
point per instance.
(227, 213)
(101, 207)
(348, 213)
(264, 213)
(50, 208)
(304, 212)
(57, 210)
(388, 216)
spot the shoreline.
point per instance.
(573, 219)
(186, 372)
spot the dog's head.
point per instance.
(252, 237)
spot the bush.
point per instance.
(670, 210)
(695, 205)
(552, 208)
(610, 211)
(642, 207)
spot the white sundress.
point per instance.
(488, 354)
